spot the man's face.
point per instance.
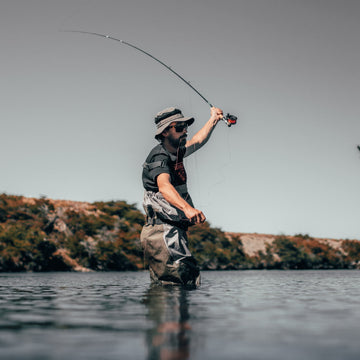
(176, 134)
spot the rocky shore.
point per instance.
(254, 242)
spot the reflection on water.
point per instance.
(258, 315)
(168, 309)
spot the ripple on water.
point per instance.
(234, 314)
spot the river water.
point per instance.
(233, 315)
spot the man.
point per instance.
(167, 203)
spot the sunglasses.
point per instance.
(179, 127)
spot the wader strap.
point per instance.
(155, 164)
(181, 189)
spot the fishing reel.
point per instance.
(229, 119)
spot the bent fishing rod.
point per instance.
(228, 119)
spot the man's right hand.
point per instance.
(195, 216)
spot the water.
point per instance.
(234, 315)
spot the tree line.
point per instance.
(43, 235)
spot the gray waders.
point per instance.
(165, 244)
(164, 268)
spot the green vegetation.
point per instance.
(213, 250)
(46, 235)
(304, 252)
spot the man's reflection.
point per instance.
(168, 309)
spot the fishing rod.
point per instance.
(228, 119)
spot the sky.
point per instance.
(77, 111)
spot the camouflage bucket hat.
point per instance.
(165, 117)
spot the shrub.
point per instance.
(291, 256)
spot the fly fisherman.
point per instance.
(167, 203)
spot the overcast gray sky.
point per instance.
(77, 111)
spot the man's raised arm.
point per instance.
(203, 135)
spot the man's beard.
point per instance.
(179, 142)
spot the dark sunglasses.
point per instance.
(179, 127)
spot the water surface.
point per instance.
(234, 315)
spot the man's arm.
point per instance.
(172, 196)
(203, 135)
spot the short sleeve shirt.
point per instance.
(161, 161)
(157, 162)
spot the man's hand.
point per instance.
(195, 216)
(216, 114)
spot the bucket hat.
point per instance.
(165, 117)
